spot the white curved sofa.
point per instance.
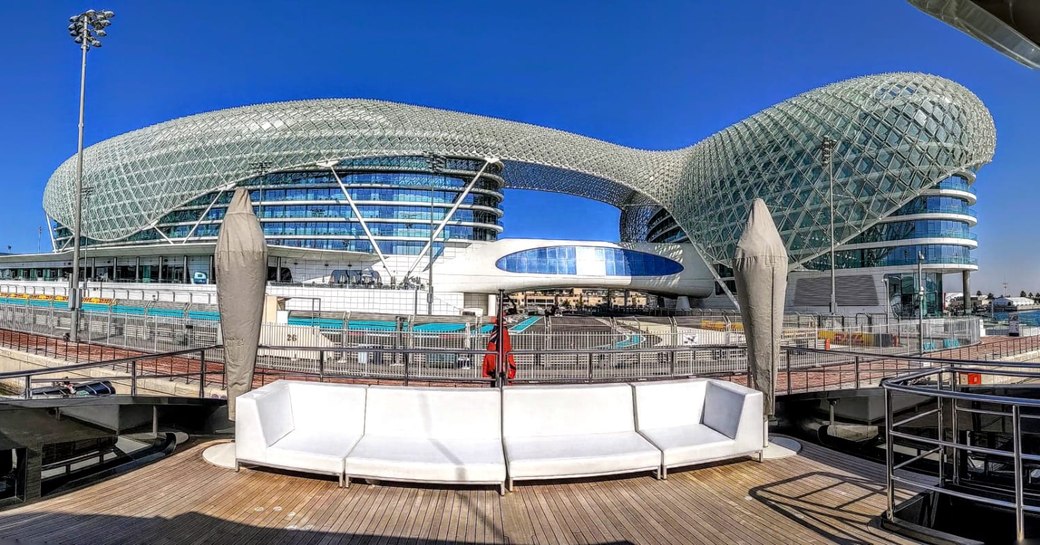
(303, 426)
(698, 421)
(490, 436)
(438, 435)
(573, 431)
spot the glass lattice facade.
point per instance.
(401, 200)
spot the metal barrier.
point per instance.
(178, 365)
(940, 394)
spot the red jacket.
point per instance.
(490, 359)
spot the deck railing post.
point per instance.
(940, 433)
(1016, 434)
(788, 356)
(28, 387)
(133, 378)
(202, 374)
(857, 372)
(889, 462)
(321, 366)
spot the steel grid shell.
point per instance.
(898, 134)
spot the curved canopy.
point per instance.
(897, 134)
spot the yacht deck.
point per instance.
(818, 496)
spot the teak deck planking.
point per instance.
(819, 496)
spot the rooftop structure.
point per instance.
(364, 191)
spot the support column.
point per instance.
(137, 270)
(184, 270)
(967, 292)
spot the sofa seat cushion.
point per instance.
(428, 459)
(579, 455)
(312, 450)
(684, 445)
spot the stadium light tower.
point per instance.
(827, 149)
(86, 29)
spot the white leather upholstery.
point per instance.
(698, 421)
(263, 416)
(457, 435)
(450, 435)
(300, 425)
(573, 431)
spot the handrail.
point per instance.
(105, 363)
(934, 389)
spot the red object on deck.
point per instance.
(507, 349)
(974, 378)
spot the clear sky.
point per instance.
(655, 75)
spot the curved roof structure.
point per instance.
(898, 134)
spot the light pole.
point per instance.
(86, 29)
(261, 168)
(827, 149)
(888, 300)
(437, 164)
(920, 302)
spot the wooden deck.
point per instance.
(818, 496)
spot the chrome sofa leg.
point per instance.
(502, 489)
(509, 484)
(346, 481)
(664, 473)
(341, 478)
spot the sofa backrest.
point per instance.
(723, 406)
(669, 404)
(535, 411)
(338, 408)
(274, 408)
(447, 413)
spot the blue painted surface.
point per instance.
(630, 341)
(1029, 317)
(519, 328)
(323, 323)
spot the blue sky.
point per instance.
(655, 75)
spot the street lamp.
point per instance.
(920, 302)
(86, 29)
(827, 151)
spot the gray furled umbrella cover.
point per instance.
(241, 266)
(760, 271)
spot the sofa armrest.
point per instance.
(750, 434)
(249, 434)
(736, 412)
(262, 418)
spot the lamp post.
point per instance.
(888, 300)
(86, 29)
(920, 302)
(827, 152)
(437, 165)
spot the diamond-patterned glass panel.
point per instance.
(898, 134)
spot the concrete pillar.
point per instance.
(967, 292)
(184, 270)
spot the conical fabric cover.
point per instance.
(241, 266)
(760, 271)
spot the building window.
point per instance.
(587, 261)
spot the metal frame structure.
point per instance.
(943, 386)
(904, 133)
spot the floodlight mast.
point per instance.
(86, 29)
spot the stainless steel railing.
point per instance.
(944, 387)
